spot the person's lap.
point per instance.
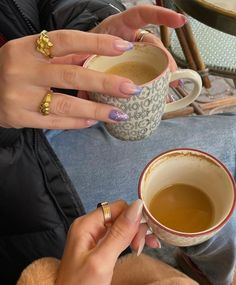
(103, 168)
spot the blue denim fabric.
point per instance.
(103, 168)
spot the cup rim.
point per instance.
(167, 67)
(183, 234)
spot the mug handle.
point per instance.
(197, 81)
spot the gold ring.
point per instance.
(44, 108)
(140, 35)
(106, 210)
(43, 44)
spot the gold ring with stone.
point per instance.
(44, 108)
(106, 210)
(43, 44)
(140, 35)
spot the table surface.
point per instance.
(218, 14)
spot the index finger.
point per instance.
(92, 225)
(71, 41)
(142, 15)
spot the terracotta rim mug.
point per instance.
(146, 109)
(191, 167)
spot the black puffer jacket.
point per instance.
(37, 200)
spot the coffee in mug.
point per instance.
(138, 72)
(171, 205)
(148, 66)
(188, 196)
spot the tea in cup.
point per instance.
(188, 196)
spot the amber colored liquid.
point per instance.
(138, 72)
(183, 208)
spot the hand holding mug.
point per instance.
(92, 249)
(27, 76)
(148, 67)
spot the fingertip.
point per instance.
(183, 19)
(152, 241)
(134, 212)
(122, 45)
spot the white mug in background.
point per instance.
(199, 170)
(145, 110)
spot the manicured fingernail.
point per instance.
(158, 243)
(141, 246)
(118, 116)
(123, 45)
(91, 122)
(130, 89)
(180, 82)
(134, 212)
(185, 19)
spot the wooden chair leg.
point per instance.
(164, 31)
(185, 48)
(234, 80)
(201, 67)
(165, 36)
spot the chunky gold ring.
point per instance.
(140, 35)
(43, 44)
(106, 210)
(44, 108)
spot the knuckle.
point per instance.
(99, 44)
(117, 232)
(8, 66)
(12, 118)
(69, 76)
(63, 107)
(96, 265)
(96, 112)
(61, 38)
(106, 83)
(54, 123)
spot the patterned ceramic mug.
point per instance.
(199, 170)
(146, 109)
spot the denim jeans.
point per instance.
(103, 168)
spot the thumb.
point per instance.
(122, 232)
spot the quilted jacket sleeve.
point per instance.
(21, 18)
(76, 14)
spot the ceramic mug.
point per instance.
(189, 167)
(146, 109)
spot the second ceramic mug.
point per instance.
(145, 110)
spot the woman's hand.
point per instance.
(92, 249)
(26, 76)
(127, 24)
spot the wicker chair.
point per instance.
(201, 48)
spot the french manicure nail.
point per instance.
(130, 89)
(133, 214)
(91, 122)
(118, 116)
(141, 246)
(123, 45)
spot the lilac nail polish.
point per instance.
(130, 89)
(122, 45)
(118, 116)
